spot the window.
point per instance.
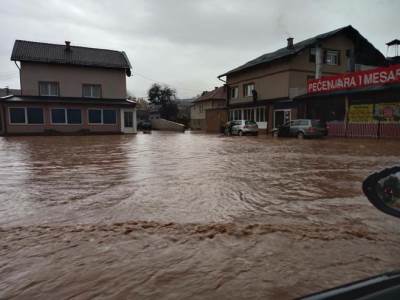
(248, 89)
(332, 57)
(102, 116)
(95, 116)
(297, 123)
(17, 115)
(260, 114)
(251, 115)
(109, 116)
(238, 114)
(128, 119)
(91, 90)
(234, 92)
(66, 116)
(312, 55)
(250, 123)
(58, 116)
(201, 108)
(49, 88)
(304, 123)
(248, 114)
(316, 123)
(23, 115)
(74, 116)
(35, 115)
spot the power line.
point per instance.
(163, 83)
(8, 77)
(8, 73)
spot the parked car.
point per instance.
(301, 128)
(241, 127)
(144, 125)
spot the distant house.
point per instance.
(212, 100)
(68, 89)
(184, 106)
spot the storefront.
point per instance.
(360, 104)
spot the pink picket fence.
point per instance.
(390, 130)
(363, 129)
(336, 129)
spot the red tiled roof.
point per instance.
(216, 94)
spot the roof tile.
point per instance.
(57, 54)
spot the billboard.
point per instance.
(346, 81)
(387, 112)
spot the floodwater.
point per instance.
(189, 216)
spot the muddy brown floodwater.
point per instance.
(189, 216)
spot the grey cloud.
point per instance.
(186, 43)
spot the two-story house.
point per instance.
(263, 89)
(212, 100)
(68, 89)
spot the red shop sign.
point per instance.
(355, 80)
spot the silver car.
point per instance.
(241, 127)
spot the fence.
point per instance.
(364, 129)
(389, 130)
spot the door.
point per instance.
(281, 117)
(128, 120)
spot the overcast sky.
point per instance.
(186, 44)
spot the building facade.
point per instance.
(68, 89)
(356, 104)
(213, 100)
(263, 89)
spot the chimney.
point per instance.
(67, 46)
(290, 43)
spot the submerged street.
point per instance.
(178, 216)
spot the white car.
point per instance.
(241, 127)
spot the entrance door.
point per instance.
(281, 117)
(128, 120)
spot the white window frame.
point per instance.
(65, 115)
(332, 53)
(234, 92)
(102, 116)
(248, 92)
(91, 85)
(25, 108)
(26, 116)
(48, 83)
(260, 111)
